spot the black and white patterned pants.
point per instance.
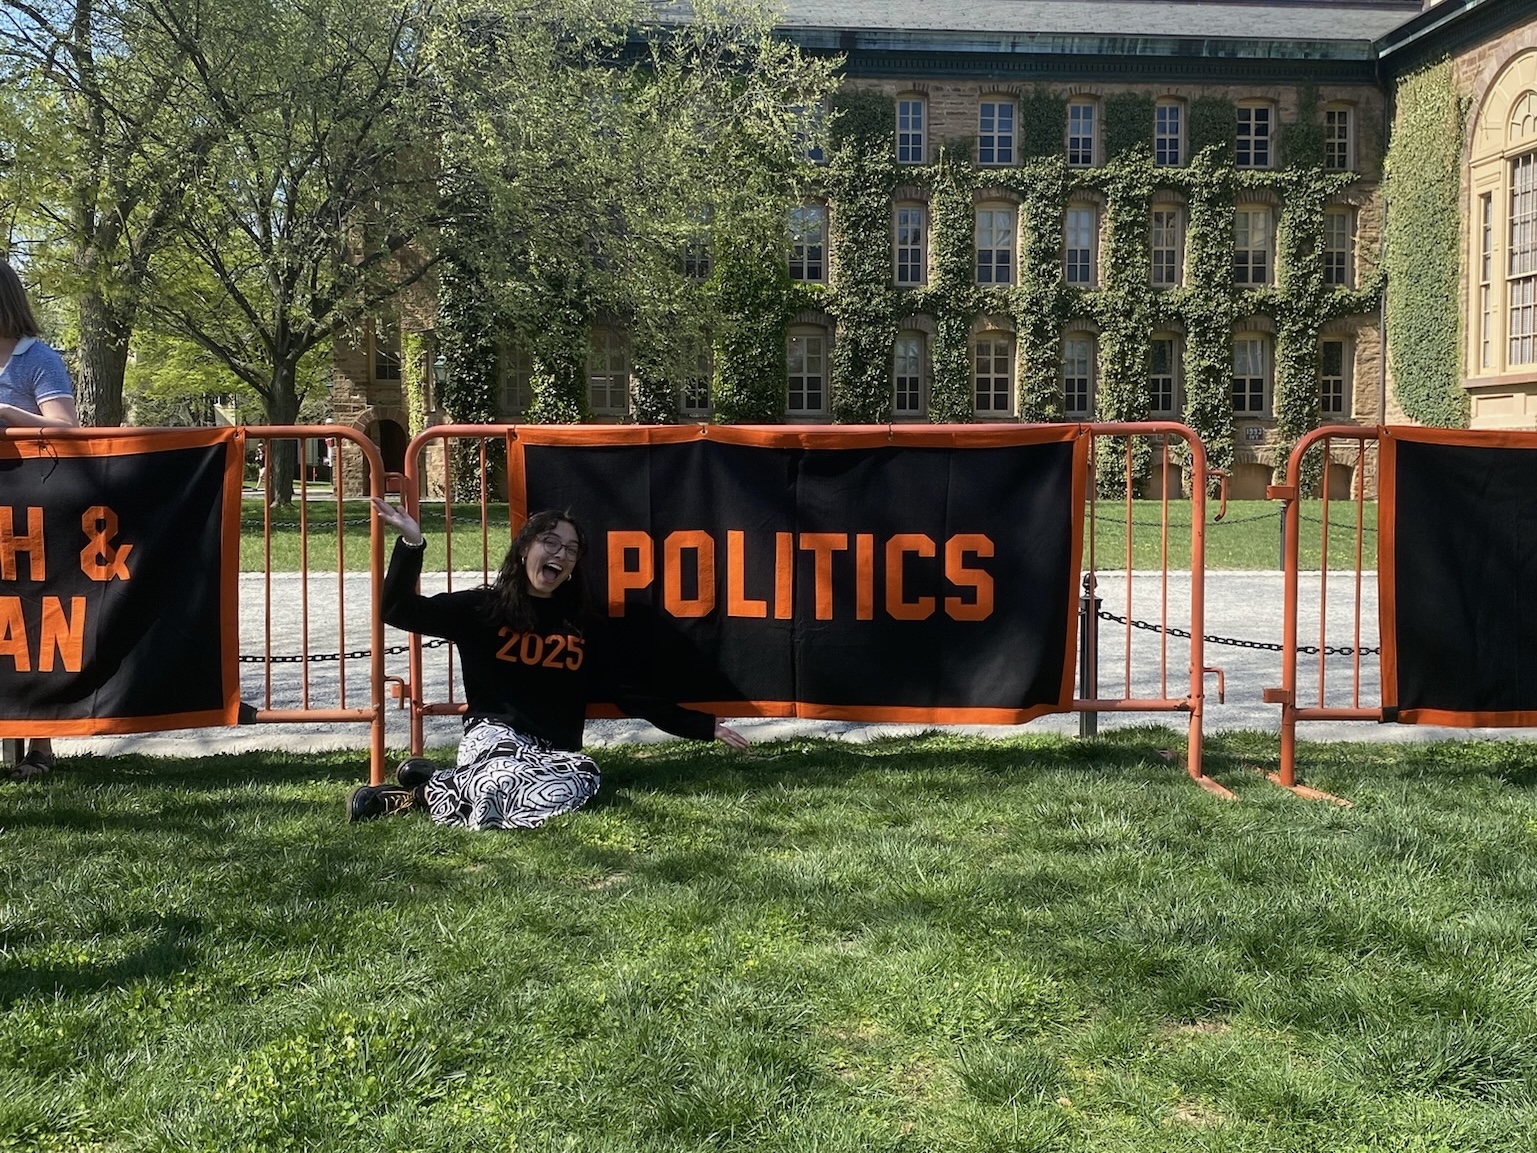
(506, 780)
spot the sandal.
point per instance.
(35, 764)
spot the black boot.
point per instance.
(369, 802)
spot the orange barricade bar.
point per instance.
(474, 465)
(1327, 699)
(313, 618)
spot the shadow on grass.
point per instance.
(168, 952)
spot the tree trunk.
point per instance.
(282, 407)
(102, 354)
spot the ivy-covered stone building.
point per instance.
(1109, 209)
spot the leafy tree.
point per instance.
(96, 156)
(587, 148)
(301, 218)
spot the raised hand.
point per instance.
(399, 520)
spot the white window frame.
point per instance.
(385, 363)
(1082, 133)
(608, 372)
(1251, 390)
(909, 234)
(808, 243)
(1339, 248)
(1078, 370)
(912, 128)
(997, 120)
(1080, 245)
(1486, 281)
(1254, 141)
(993, 243)
(1253, 246)
(515, 380)
(806, 364)
(1165, 379)
(1335, 393)
(1166, 245)
(1169, 133)
(909, 375)
(1339, 138)
(1521, 263)
(992, 374)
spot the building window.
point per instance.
(810, 129)
(910, 117)
(608, 374)
(995, 245)
(807, 364)
(1080, 134)
(1486, 281)
(1166, 246)
(1334, 397)
(1163, 377)
(808, 243)
(1169, 134)
(694, 391)
(1078, 376)
(1080, 230)
(1251, 376)
(992, 359)
(515, 373)
(1251, 246)
(911, 234)
(1522, 286)
(907, 375)
(995, 132)
(1253, 146)
(1339, 247)
(387, 357)
(1339, 141)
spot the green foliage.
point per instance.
(1128, 129)
(413, 379)
(1213, 123)
(1422, 180)
(1042, 124)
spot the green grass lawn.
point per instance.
(1248, 537)
(920, 945)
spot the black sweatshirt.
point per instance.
(538, 681)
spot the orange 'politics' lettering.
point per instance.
(896, 603)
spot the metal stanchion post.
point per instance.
(1088, 655)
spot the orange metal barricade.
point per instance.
(326, 620)
(1347, 614)
(463, 465)
(304, 617)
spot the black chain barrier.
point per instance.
(318, 658)
(1234, 642)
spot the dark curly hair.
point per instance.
(510, 601)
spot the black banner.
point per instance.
(119, 555)
(831, 575)
(1458, 566)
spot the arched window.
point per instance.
(1340, 246)
(1080, 245)
(1165, 394)
(1166, 243)
(910, 236)
(1251, 374)
(909, 374)
(1253, 237)
(1336, 397)
(994, 243)
(806, 364)
(808, 243)
(992, 375)
(912, 119)
(1079, 371)
(608, 373)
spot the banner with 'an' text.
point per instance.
(119, 556)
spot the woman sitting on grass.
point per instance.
(531, 663)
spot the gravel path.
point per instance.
(1242, 605)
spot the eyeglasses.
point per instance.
(553, 545)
